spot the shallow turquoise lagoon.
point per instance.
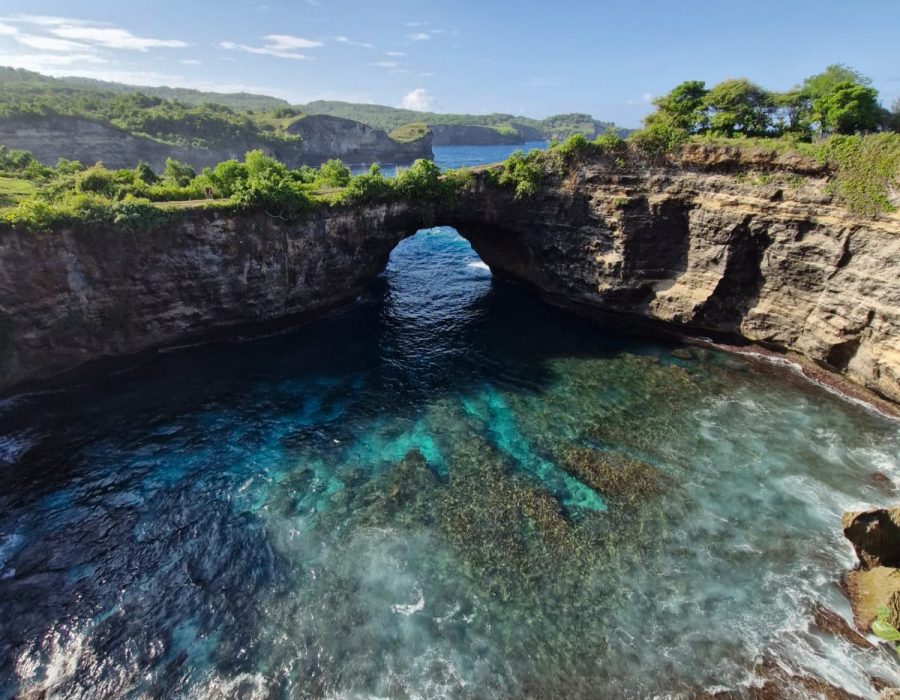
(449, 490)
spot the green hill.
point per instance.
(390, 118)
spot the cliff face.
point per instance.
(696, 246)
(462, 135)
(327, 137)
(691, 244)
(67, 297)
(51, 138)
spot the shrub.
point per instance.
(334, 174)
(226, 176)
(96, 179)
(179, 173)
(609, 142)
(866, 169)
(525, 172)
(422, 180)
(367, 188)
(658, 138)
(573, 147)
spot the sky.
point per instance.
(476, 56)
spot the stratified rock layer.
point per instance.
(750, 246)
(746, 245)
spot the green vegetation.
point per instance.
(837, 101)
(831, 116)
(240, 101)
(43, 199)
(882, 628)
(410, 132)
(13, 189)
(390, 119)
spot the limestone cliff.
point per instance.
(53, 137)
(750, 247)
(473, 135)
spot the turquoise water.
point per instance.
(448, 490)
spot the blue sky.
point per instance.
(525, 57)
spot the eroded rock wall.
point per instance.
(70, 296)
(716, 243)
(53, 137)
(754, 250)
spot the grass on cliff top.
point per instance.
(864, 170)
(139, 199)
(13, 190)
(410, 132)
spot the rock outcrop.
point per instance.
(875, 535)
(71, 296)
(326, 137)
(746, 247)
(471, 135)
(323, 137)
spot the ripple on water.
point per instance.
(449, 490)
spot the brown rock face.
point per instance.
(749, 248)
(870, 589)
(757, 251)
(71, 296)
(875, 535)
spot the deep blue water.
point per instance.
(464, 156)
(449, 489)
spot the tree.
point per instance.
(793, 113)
(334, 174)
(847, 108)
(893, 119)
(226, 176)
(739, 106)
(819, 85)
(683, 108)
(145, 173)
(179, 173)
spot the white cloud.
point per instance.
(419, 36)
(347, 40)
(114, 38)
(395, 54)
(418, 100)
(286, 42)
(49, 43)
(417, 24)
(191, 62)
(386, 64)
(278, 45)
(71, 34)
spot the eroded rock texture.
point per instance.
(748, 246)
(757, 250)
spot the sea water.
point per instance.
(448, 489)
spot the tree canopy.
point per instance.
(838, 100)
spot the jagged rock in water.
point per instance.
(875, 535)
(832, 623)
(870, 589)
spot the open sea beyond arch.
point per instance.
(449, 489)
